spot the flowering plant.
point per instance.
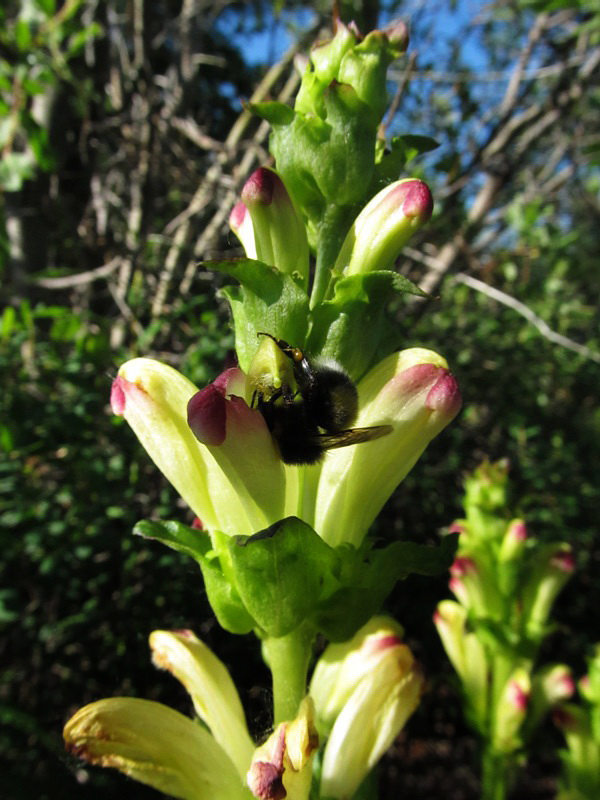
(505, 584)
(286, 460)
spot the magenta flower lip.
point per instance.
(456, 527)
(444, 395)
(564, 561)
(117, 396)
(419, 200)
(462, 566)
(412, 197)
(376, 644)
(518, 530)
(207, 415)
(260, 187)
(237, 215)
(518, 696)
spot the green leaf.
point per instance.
(413, 145)
(391, 162)
(401, 559)
(273, 112)
(268, 300)
(15, 169)
(175, 535)
(280, 574)
(22, 34)
(78, 40)
(47, 6)
(223, 597)
(351, 326)
(368, 579)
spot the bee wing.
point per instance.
(352, 436)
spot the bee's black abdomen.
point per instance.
(332, 399)
(295, 435)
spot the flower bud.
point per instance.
(240, 223)
(551, 685)
(467, 655)
(211, 688)
(384, 226)
(342, 667)
(375, 711)
(412, 391)
(474, 587)
(513, 543)
(279, 231)
(589, 685)
(553, 566)
(511, 711)
(282, 766)
(583, 758)
(364, 67)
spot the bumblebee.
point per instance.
(311, 409)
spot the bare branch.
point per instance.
(528, 314)
(509, 301)
(81, 278)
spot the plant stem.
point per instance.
(494, 780)
(288, 658)
(332, 231)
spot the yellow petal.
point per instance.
(213, 692)
(155, 745)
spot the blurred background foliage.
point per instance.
(123, 146)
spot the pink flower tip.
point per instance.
(518, 530)
(564, 561)
(261, 187)
(517, 696)
(207, 415)
(462, 566)
(444, 396)
(376, 644)
(237, 216)
(456, 527)
(117, 396)
(397, 33)
(418, 200)
(568, 685)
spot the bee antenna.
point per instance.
(270, 335)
